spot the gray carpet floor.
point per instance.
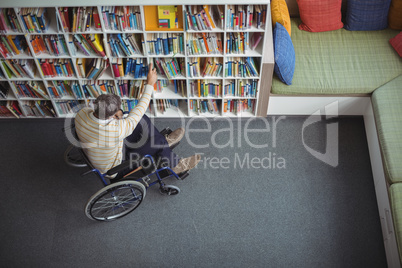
(290, 210)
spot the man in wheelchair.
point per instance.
(103, 133)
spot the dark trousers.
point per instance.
(147, 140)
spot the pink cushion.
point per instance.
(320, 15)
(396, 43)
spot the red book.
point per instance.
(69, 68)
(65, 13)
(52, 68)
(45, 68)
(116, 70)
(3, 50)
(96, 18)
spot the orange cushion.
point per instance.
(280, 13)
(321, 15)
(395, 15)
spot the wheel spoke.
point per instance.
(116, 202)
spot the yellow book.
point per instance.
(167, 16)
(30, 22)
(209, 16)
(10, 41)
(95, 39)
(73, 29)
(120, 65)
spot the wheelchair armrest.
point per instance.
(146, 163)
(123, 165)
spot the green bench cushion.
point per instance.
(340, 62)
(395, 194)
(387, 107)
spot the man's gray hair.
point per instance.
(106, 105)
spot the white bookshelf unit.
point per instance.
(59, 91)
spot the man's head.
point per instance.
(106, 105)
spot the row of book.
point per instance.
(128, 105)
(165, 43)
(10, 109)
(89, 44)
(9, 21)
(61, 89)
(23, 68)
(238, 106)
(35, 20)
(92, 89)
(56, 67)
(54, 45)
(238, 42)
(30, 89)
(240, 67)
(200, 18)
(241, 88)
(163, 104)
(135, 67)
(131, 88)
(12, 45)
(38, 108)
(198, 44)
(170, 67)
(205, 88)
(243, 17)
(120, 45)
(68, 107)
(204, 106)
(92, 68)
(179, 86)
(79, 19)
(122, 18)
(198, 67)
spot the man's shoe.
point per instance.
(186, 164)
(175, 136)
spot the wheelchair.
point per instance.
(119, 197)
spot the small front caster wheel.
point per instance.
(169, 190)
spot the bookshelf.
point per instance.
(63, 57)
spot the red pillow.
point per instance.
(320, 15)
(396, 43)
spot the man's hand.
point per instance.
(118, 114)
(152, 76)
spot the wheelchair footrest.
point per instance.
(183, 175)
(166, 131)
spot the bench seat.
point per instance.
(387, 108)
(340, 62)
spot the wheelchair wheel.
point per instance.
(169, 190)
(73, 157)
(115, 200)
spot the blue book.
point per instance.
(128, 67)
(181, 43)
(135, 22)
(170, 42)
(133, 67)
(130, 18)
(165, 46)
(123, 45)
(137, 70)
(156, 46)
